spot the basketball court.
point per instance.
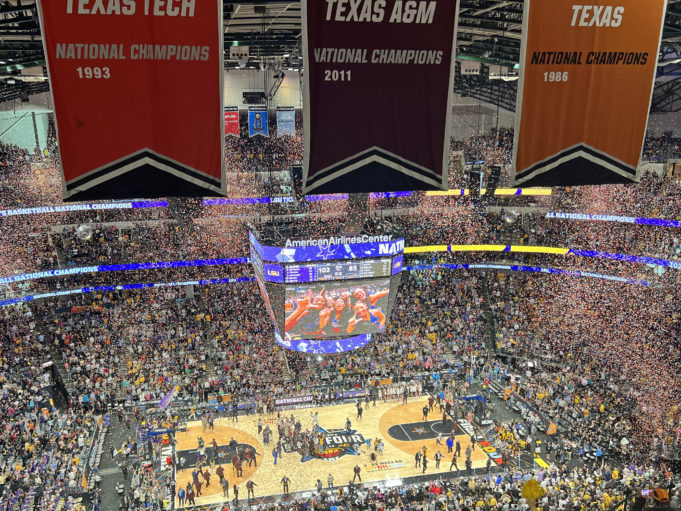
(401, 427)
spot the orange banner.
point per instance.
(585, 86)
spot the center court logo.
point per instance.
(335, 444)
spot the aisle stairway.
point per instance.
(289, 376)
(206, 333)
(358, 213)
(183, 210)
(59, 364)
(57, 243)
(42, 326)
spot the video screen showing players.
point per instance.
(336, 309)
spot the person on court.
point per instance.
(357, 475)
(250, 485)
(454, 464)
(252, 457)
(285, 481)
(438, 457)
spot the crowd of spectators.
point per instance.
(607, 351)
(564, 489)
(44, 447)
(612, 345)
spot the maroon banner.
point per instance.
(378, 89)
(137, 89)
(232, 120)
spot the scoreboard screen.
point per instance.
(336, 309)
(328, 295)
(338, 270)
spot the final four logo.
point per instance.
(336, 443)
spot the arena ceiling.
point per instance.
(489, 32)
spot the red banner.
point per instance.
(137, 89)
(378, 90)
(232, 120)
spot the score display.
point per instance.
(338, 270)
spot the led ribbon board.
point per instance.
(659, 222)
(67, 208)
(39, 210)
(397, 261)
(532, 269)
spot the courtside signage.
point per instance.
(378, 88)
(586, 80)
(137, 87)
